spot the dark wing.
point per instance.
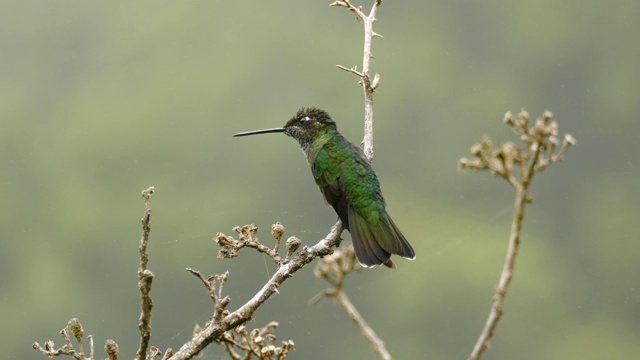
(350, 185)
(326, 172)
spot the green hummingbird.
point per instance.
(348, 184)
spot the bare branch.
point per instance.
(539, 139)
(215, 328)
(214, 286)
(145, 279)
(367, 331)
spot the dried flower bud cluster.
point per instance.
(228, 246)
(258, 342)
(74, 327)
(507, 160)
(247, 232)
(335, 267)
(248, 237)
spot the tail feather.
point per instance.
(368, 251)
(374, 245)
(402, 246)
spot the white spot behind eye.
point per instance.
(305, 119)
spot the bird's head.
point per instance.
(309, 123)
(305, 126)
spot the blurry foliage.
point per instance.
(100, 100)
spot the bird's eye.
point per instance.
(303, 120)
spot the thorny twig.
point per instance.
(369, 85)
(517, 166)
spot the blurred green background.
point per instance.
(99, 100)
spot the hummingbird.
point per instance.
(349, 184)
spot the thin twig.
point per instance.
(219, 302)
(334, 269)
(367, 331)
(497, 307)
(145, 278)
(352, 70)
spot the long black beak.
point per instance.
(265, 131)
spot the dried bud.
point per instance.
(223, 240)
(476, 149)
(462, 164)
(247, 232)
(196, 329)
(508, 148)
(168, 353)
(526, 139)
(154, 352)
(255, 336)
(375, 82)
(49, 345)
(227, 252)
(277, 230)
(65, 334)
(292, 244)
(553, 128)
(540, 127)
(508, 118)
(267, 350)
(534, 146)
(569, 139)
(112, 350)
(485, 143)
(76, 329)
(523, 115)
(258, 340)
